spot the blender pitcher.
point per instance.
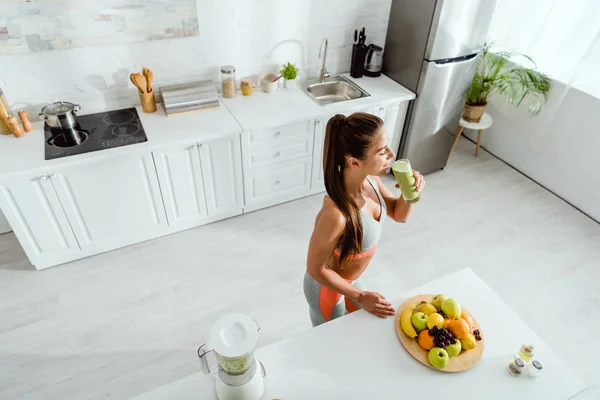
(237, 373)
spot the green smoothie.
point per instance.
(406, 180)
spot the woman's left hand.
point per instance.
(419, 181)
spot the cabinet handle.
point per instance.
(51, 176)
(200, 145)
(43, 178)
(277, 182)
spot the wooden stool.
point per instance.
(485, 122)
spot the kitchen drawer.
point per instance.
(277, 137)
(283, 152)
(277, 183)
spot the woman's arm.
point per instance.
(397, 208)
(329, 227)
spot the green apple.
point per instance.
(437, 301)
(435, 319)
(451, 307)
(419, 321)
(453, 349)
(426, 308)
(438, 358)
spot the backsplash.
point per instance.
(255, 36)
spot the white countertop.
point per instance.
(283, 106)
(27, 153)
(360, 357)
(289, 105)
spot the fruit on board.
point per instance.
(425, 308)
(438, 358)
(437, 301)
(405, 322)
(451, 307)
(435, 319)
(467, 317)
(425, 340)
(419, 321)
(453, 349)
(459, 328)
(468, 343)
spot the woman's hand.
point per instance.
(376, 304)
(419, 181)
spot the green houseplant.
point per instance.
(517, 84)
(289, 73)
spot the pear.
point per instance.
(437, 301)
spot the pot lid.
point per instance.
(58, 108)
(227, 69)
(233, 335)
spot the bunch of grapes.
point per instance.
(442, 337)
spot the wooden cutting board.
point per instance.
(462, 362)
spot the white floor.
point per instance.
(122, 323)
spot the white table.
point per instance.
(359, 357)
(485, 122)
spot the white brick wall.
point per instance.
(254, 35)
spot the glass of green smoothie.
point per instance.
(406, 180)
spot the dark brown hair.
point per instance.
(347, 137)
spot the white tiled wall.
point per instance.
(254, 35)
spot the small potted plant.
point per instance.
(289, 73)
(518, 84)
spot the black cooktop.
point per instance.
(95, 132)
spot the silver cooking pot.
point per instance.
(60, 114)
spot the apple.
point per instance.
(419, 321)
(453, 349)
(437, 301)
(451, 307)
(438, 358)
(435, 319)
(426, 308)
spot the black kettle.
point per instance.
(373, 61)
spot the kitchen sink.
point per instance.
(335, 89)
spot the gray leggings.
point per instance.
(325, 304)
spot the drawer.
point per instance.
(277, 183)
(284, 152)
(279, 136)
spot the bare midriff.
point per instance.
(351, 269)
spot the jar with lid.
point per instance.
(228, 81)
(516, 366)
(526, 352)
(534, 369)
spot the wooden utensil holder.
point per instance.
(148, 102)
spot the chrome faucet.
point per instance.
(323, 54)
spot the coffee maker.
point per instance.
(373, 61)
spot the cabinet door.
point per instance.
(112, 203)
(221, 161)
(318, 179)
(181, 184)
(34, 212)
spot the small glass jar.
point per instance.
(516, 366)
(534, 369)
(228, 81)
(526, 352)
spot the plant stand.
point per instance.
(485, 122)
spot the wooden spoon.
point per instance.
(149, 77)
(141, 82)
(132, 79)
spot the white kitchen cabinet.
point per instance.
(221, 162)
(181, 183)
(38, 220)
(267, 186)
(113, 202)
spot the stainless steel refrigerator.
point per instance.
(431, 48)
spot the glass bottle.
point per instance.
(534, 369)
(526, 352)
(516, 366)
(228, 81)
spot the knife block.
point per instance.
(148, 102)
(357, 64)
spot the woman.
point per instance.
(348, 226)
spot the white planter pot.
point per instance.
(289, 84)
